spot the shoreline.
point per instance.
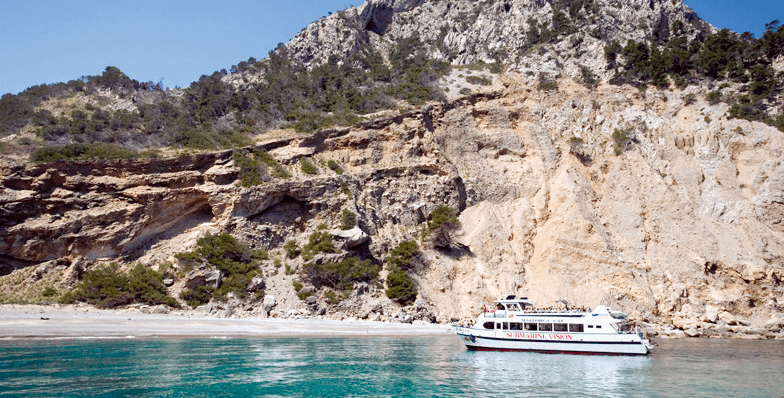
(18, 322)
(52, 322)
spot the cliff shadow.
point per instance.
(271, 227)
(135, 250)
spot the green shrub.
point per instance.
(348, 220)
(307, 166)
(345, 190)
(237, 263)
(276, 169)
(400, 286)
(318, 242)
(107, 287)
(261, 254)
(249, 169)
(198, 296)
(341, 275)
(82, 152)
(335, 167)
(147, 287)
(49, 292)
(292, 249)
(289, 271)
(589, 79)
(441, 225)
(402, 255)
(480, 80)
(547, 85)
(297, 285)
(621, 139)
(713, 97)
(441, 216)
(331, 297)
(779, 122)
(100, 286)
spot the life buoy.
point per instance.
(472, 338)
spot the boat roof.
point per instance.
(511, 298)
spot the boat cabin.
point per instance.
(519, 313)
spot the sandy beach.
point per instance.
(33, 321)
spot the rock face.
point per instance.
(503, 31)
(681, 229)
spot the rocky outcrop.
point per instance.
(503, 31)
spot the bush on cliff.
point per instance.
(348, 220)
(96, 151)
(335, 167)
(400, 286)
(318, 242)
(238, 264)
(108, 287)
(197, 296)
(307, 166)
(441, 226)
(341, 275)
(292, 249)
(250, 169)
(403, 254)
(723, 56)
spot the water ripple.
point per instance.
(384, 366)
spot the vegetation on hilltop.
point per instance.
(213, 114)
(724, 56)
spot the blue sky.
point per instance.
(176, 41)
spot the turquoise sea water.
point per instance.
(437, 366)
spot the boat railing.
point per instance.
(504, 313)
(557, 311)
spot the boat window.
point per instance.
(514, 307)
(506, 325)
(590, 326)
(500, 307)
(515, 326)
(598, 326)
(559, 327)
(488, 325)
(530, 326)
(546, 327)
(576, 327)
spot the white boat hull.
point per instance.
(553, 342)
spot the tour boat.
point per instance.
(516, 325)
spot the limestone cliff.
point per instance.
(680, 227)
(495, 31)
